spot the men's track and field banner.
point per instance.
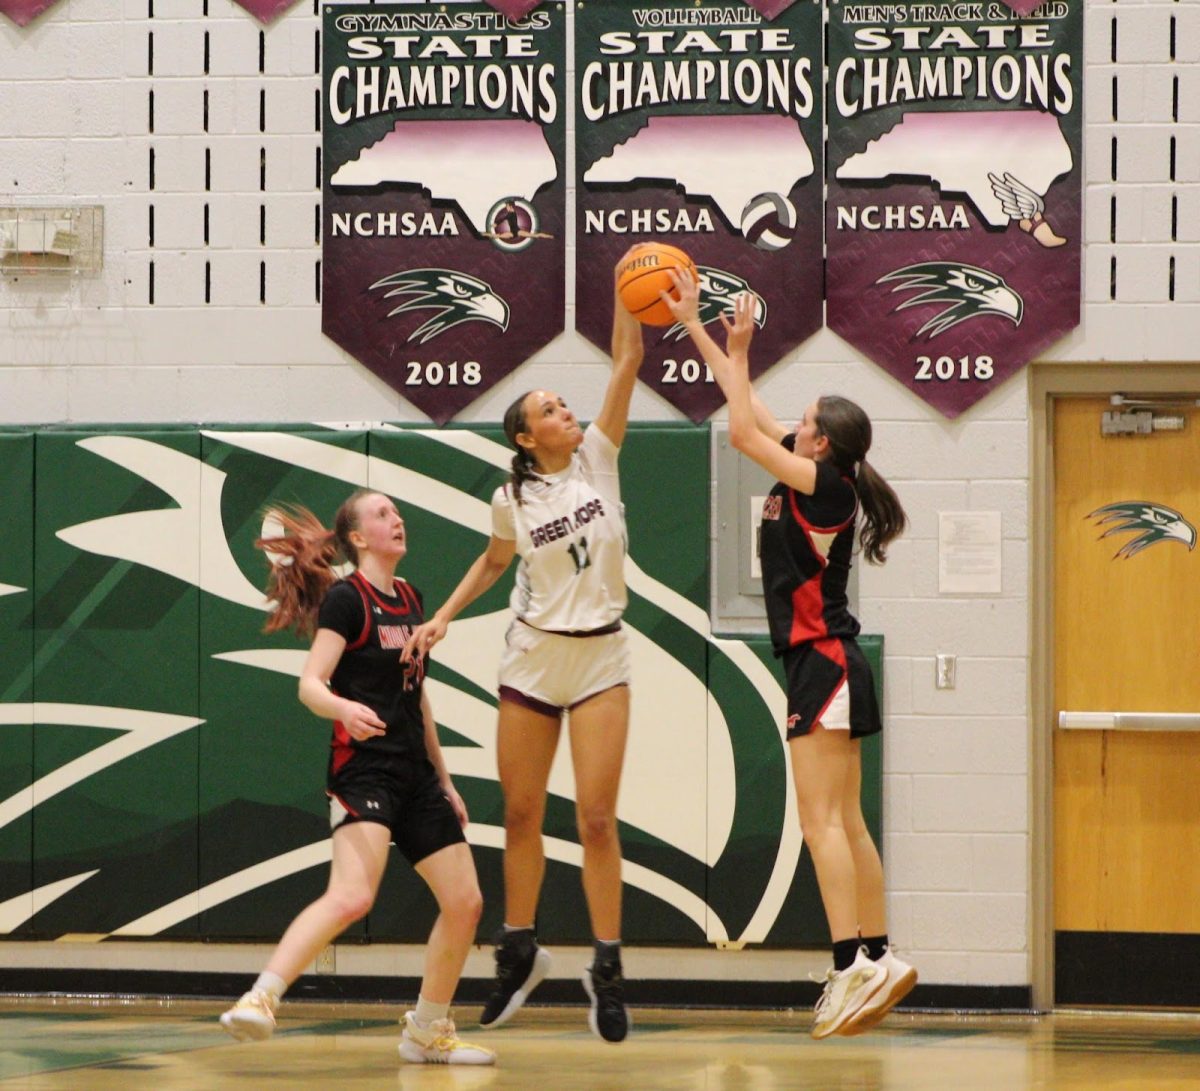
(444, 192)
(953, 217)
(698, 124)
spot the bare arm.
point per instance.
(484, 571)
(737, 346)
(747, 436)
(359, 720)
(628, 351)
(753, 430)
(433, 748)
(737, 342)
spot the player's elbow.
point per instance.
(304, 690)
(740, 436)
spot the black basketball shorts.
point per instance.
(816, 672)
(404, 796)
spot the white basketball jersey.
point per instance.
(570, 534)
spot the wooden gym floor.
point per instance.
(175, 1044)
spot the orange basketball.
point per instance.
(644, 275)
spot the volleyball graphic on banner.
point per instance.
(769, 221)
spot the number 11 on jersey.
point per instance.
(579, 554)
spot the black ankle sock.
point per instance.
(876, 946)
(516, 937)
(608, 952)
(844, 953)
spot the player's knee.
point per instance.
(350, 905)
(597, 827)
(818, 822)
(856, 827)
(460, 898)
(465, 905)
(523, 816)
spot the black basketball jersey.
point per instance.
(376, 627)
(806, 547)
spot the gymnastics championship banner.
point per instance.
(698, 124)
(444, 193)
(23, 12)
(953, 217)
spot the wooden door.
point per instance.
(1127, 639)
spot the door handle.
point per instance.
(1129, 721)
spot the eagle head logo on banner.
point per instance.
(954, 204)
(698, 125)
(444, 260)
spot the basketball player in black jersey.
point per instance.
(808, 536)
(387, 780)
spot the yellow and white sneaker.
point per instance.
(252, 1018)
(845, 993)
(901, 977)
(439, 1044)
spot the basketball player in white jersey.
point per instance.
(561, 513)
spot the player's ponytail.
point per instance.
(302, 559)
(524, 468)
(848, 430)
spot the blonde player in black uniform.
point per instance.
(387, 780)
(807, 545)
(561, 512)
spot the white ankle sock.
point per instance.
(272, 984)
(427, 1011)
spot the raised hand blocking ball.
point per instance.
(645, 274)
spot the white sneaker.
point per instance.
(437, 1044)
(901, 978)
(845, 992)
(252, 1018)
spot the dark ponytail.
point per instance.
(848, 430)
(302, 561)
(524, 468)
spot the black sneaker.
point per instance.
(520, 966)
(605, 987)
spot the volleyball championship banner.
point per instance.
(444, 193)
(954, 209)
(699, 125)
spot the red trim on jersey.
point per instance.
(361, 639)
(809, 528)
(342, 744)
(367, 589)
(808, 599)
(808, 612)
(406, 593)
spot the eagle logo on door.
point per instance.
(1153, 523)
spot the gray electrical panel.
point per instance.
(739, 487)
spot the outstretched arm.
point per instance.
(753, 430)
(485, 571)
(628, 351)
(737, 345)
(738, 334)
